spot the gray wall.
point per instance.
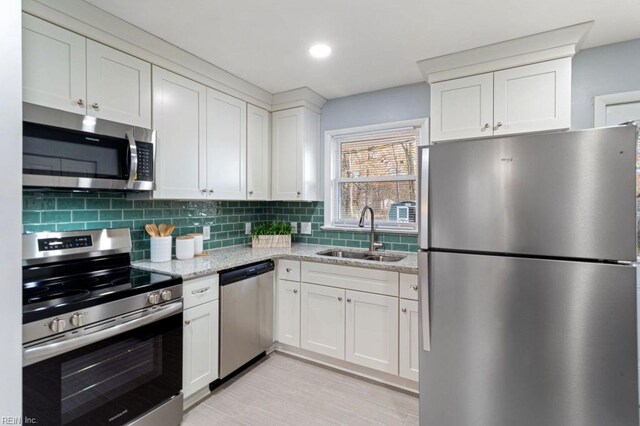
(10, 212)
(382, 106)
(602, 70)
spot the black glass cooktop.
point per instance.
(65, 287)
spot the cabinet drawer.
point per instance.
(409, 286)
(351, 278)
(199, 291)
(289, 270)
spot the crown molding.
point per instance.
(545, 46)
(96, 24)
(302, 96)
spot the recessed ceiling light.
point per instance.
(320, 50)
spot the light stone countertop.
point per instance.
(231, 257)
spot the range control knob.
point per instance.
(77, 319)
(153, 298)
(166, 295)
(57, 325)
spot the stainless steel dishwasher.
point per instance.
(246, 314)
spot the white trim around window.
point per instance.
(600, 104)
(331, 138)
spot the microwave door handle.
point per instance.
(133, 160)
(38, 353)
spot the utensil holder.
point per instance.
(161, 249)
(185, 247)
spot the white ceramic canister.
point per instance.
(184, 247)
(160, 249)
(198, 243)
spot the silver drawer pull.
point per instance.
(200, 290)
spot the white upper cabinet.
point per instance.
(533, 98)
(295, 141)
(530, 98)
(462, 108)
(179, 116)
(258, 153)
(226, 146)
(54, 66)
(322, 320)
(118, 86)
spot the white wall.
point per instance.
(10, 210)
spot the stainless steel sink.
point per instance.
(375, 257)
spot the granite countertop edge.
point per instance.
(235, 256)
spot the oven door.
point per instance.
(108, 382)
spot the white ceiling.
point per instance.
(376, 43)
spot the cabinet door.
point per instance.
(258, 153)
(409, 350)
(179, 116)
(118, 86)
(200, 347)
(533, 98)
(372, 331)
(226, 146)
(53, 66)
(286, 167)
(322, 320)
(462, 108)
(289, 312)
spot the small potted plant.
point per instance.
(271, 235)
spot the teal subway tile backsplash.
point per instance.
(70, 211)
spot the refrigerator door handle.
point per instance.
(423, 268)
(423, 201)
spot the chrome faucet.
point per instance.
(373, 244)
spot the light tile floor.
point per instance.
(281, 390)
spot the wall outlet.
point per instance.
(294, 227)
(206, 232)
(247, 228)
(305, 228)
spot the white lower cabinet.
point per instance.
(200, 347)
(322, 320)
(372, 331)
(409, 349)
(289, 312)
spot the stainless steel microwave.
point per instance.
(65, 150)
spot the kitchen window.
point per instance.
(375, 166)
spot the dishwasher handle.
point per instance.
(234, 275)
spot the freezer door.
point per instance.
(568, 194)
(522, 341)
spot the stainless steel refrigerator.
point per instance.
(527, 286)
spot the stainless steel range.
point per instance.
(102, 342)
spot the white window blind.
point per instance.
(379, 169)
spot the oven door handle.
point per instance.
(38, 353)
(133, 160)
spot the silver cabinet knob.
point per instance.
(187, 322)
(288, 269)
(80, 102)
(498, 125)
(153, 298)
(340, 298)
(203, 191)
(487, 126)
(57, 325)
(211, 191)
(414, 287)
(95, 106)
(348, 300)
(295, 291)
(299, 193)
(404, 310)
(165, 295)
(77, 319)
(250, 192)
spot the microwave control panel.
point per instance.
(145, 161)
